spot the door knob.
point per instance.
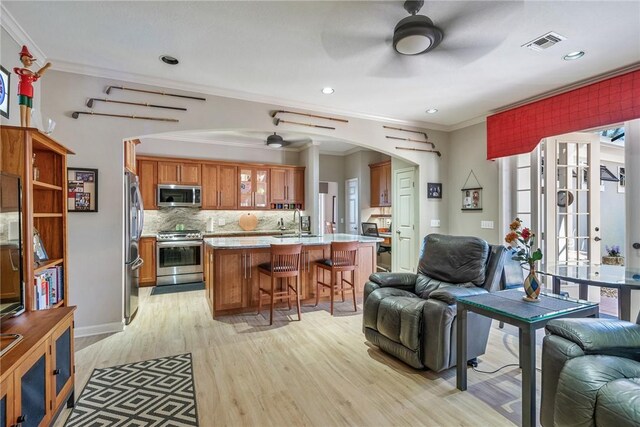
(636, 245)
(597, 239)
(397, 231)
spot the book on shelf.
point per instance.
(48, 288)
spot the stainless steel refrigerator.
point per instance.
(133, 223)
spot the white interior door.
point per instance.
(572, 200)
(353, 208)
(403, 244)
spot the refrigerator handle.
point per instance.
(137, 263)
(139, 207)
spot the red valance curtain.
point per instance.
(520, 130)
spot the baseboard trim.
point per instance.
(105, 328)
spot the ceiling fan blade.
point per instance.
(359, 28)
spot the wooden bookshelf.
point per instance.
(44, 203)
(48, 264)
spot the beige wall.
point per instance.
(467, 151)
(332, 170)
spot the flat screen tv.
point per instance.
(12, 301)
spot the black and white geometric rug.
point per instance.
(156, 392)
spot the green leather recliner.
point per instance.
(591, 373)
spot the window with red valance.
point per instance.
(520, 130)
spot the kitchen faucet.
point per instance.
(298, 224)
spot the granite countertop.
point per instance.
(266, 241)
(235, 233)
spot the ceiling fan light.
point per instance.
(275, 141)
(415, 35)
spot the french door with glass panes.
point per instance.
(572, 200)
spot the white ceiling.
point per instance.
(288, 51)
(295, 141)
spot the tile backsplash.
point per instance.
(208, 221)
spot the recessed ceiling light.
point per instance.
(327, 90)
(432, 110)
(168, 59)
(573, 55)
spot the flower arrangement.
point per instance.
(522, 240)
(613, 250)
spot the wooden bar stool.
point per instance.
(285, 264)
(343, 259)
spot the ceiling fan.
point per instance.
(454, 34)
(416, 34)
(277, 141)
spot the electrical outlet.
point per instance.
(221, 222)
(486, 224)
(435, 223)
(341, 220)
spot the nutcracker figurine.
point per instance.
(25, 87)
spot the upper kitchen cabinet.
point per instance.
(254, 187)
(148, 177)
(179, 173)
(287, 185)
(219, 186)
(380, 184)
(130, 155)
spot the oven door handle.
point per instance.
(178, 244)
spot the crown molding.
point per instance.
(89, 70)
(17, 33)
(467, 123)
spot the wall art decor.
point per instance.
(434, 190)
(5, 91)
(82, 190)
(471, 193)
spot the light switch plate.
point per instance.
(221, 221)
(486, 224)
(435, 223)
(341, 220)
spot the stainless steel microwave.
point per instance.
(179, 195)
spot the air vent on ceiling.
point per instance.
(545, 41)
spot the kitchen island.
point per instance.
(231, 268)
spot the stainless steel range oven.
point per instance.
(180, 256)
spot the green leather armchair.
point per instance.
(591, 373)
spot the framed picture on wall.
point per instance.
(472, 199)
(5, 91)
(622, 179)
(434, 190)
(82, 190)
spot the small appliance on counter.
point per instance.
(180, 255)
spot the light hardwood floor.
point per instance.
(319, 371)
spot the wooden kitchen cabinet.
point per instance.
(253, 191)
(286, 185)
(130, 155)
(179, 173)
(230, 269)
(219, 186)
(148, 180)
(380, 184)
(147, 251)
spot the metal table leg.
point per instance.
(528, 363)
(624, 303)
(556, 285)
(461, 348)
